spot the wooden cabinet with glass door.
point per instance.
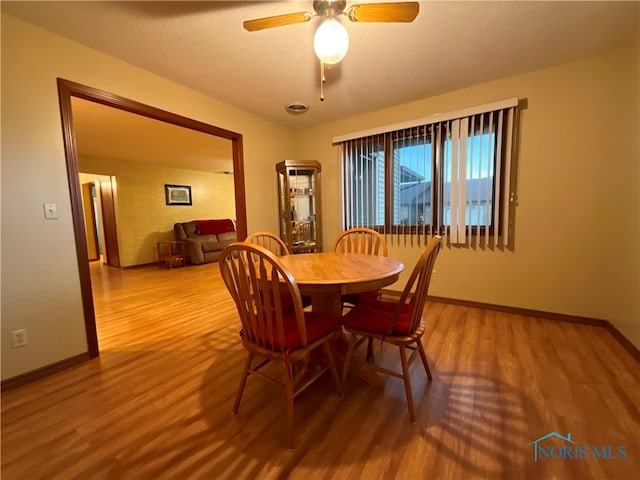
(299, 205)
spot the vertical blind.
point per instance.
(449, 177)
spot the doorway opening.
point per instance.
(68, 90)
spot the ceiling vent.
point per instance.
(296, 108)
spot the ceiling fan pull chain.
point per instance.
(322, 80)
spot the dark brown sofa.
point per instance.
(205, 239)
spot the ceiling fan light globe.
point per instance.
(331, 41)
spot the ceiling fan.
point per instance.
(331, 41)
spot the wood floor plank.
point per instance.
(157, 402)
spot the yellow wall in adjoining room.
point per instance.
(144, 218)
(40, 282)
(577, 219)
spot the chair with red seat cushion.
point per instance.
(400, 324)
(274, 244)
(360, 240)
(272, 332)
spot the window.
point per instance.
(448, 177)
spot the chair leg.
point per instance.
(425, 362)
(332, 365)
(370, 350)
(407, 383)
(347, 359)
(243, 382)
(288, 366)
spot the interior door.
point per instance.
(111, 251)
(93, 252)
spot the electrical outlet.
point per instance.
(19, 338)
(433, 275)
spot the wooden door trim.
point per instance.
(68, 89)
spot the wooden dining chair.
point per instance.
(301, 231)
(270, 241)
(255, 278)
(400, 324)
(275, 245)
(360, 240)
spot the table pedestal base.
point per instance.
(332, 305)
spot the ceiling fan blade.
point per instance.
(384, 12)
(277, 21)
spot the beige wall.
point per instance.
(578, 214)
(143, 217)
(40, 283)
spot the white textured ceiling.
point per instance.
(450, 45)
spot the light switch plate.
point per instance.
(50, 211)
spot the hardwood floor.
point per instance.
(157, 403)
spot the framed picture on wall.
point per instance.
(177, 194)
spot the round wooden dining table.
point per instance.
(326, 276)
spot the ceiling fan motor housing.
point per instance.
(326, 8)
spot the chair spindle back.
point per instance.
(421, 278)
(269, 241)
(257, 282)
(360, 240)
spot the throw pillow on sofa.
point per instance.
(215, 227)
